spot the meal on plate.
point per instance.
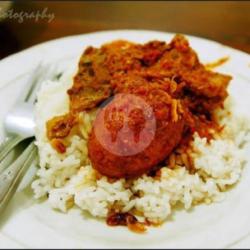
(135, 131)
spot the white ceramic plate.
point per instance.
(27, 223)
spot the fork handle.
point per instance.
(9, 144)
(11, 177)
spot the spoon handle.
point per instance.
(8, 145)
(12, 176)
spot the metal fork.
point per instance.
(19, 124)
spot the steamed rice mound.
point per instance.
(68, 179)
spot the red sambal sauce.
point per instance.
(182, 92)
(127, 219)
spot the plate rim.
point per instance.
(64, 38)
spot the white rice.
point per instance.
(68, 179)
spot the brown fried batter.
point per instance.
(91, 83)
(60, 126)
